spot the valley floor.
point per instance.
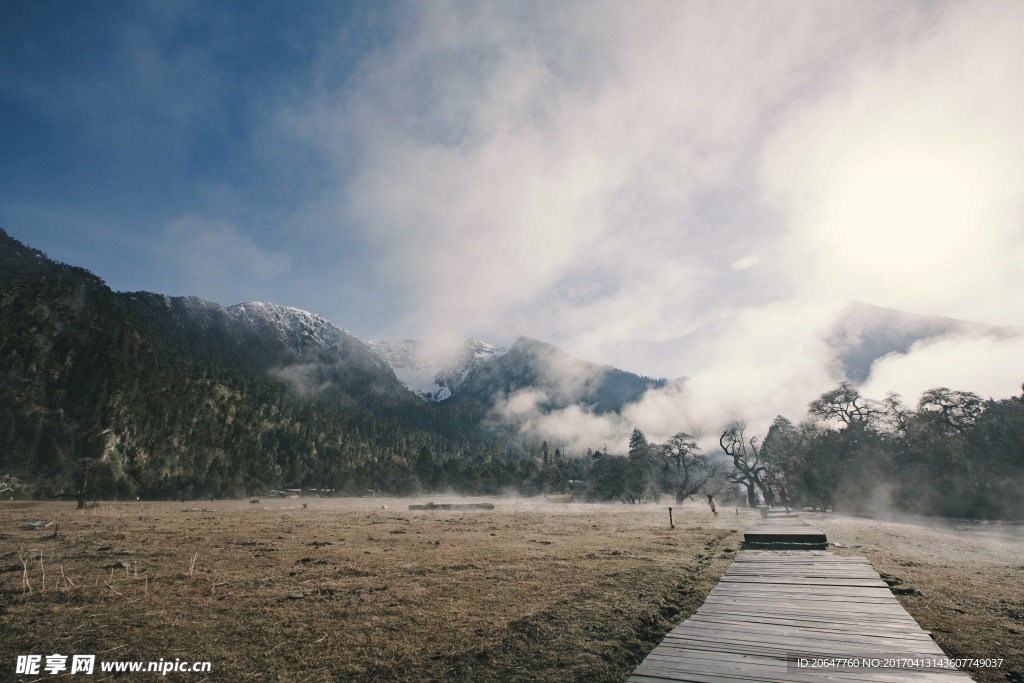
(366, 589)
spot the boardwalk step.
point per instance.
(784, 532)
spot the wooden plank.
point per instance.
(869, 631)
(894, 629)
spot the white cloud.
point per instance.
(505, 155)
(744, 263)
(689, 188)
(905, 186)
(758, 363)
(989, 366)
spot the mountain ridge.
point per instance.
(863, 333)
(309, 351)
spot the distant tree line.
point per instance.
(92, 405)
(954, 454)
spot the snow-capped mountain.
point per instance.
(431, 375)
(481, 373)
(282, 330)
(318, 357)
(296, 330)
(553, 378)
(304, 349)
(321, 359)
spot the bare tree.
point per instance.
(746, 459)
(687, 468)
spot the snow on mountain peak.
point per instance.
(431, 375)
(295, 327)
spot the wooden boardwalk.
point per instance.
(773, 609)
(784, 531)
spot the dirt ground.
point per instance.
(369, 590)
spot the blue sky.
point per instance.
(127, 121)
(682, 188)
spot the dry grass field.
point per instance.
(368, 590)
(356, 589)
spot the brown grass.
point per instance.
(352, 590)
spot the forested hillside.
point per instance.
(94, 403)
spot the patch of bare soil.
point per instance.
(359, 589)
(962, 581)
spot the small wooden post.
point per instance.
(670, 524)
